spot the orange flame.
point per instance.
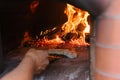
(76, 24)
(57, 40)
(75, 18)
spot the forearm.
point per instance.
(24, 71)
(34, 62)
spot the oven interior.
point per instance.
(26, 24)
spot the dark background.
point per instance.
(16, 18)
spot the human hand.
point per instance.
(40, 58)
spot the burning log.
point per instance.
(70, 36)
(68, 53)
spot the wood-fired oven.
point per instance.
(26, 24)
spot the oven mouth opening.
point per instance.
(72, 35)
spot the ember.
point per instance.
(72, 33)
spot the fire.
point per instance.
(76, 17)
(87, 29)
(57, 40)
(76, 28)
